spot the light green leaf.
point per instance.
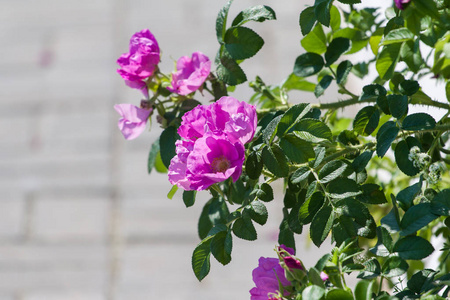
(399, 35)
(315, 41)
(259, 13)
(363, 290)
(387, 60)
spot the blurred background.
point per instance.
(80, 218)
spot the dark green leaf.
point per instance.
(387, 60)
(323, 85)
(243, 228)
(259, 13)
(343, 188)
(296, 149)
(271, 130)
(332, 170)
(347, 138)
(409, 87)
(258, 212)
(350, 1)
(189, 198)
(221, 246)
(343, 229)
(152, 156)
(415, 218)
(390, 222)
(427, 7)
(413, 247)
(398, 105)
(312, 130)
(253, 165)
(221, 21)
(406, 196)
(167, 144)
(343, 70)
(372, 194)
(308, 64)
(394, 266)
(315, 41)
(419, 280)
(358, 38)
(360, 163)
(322, 262)
(265, 192)
(402, 156)
(292, 116)
(310, 208)
(242, 42)
(200, 258)
(418, 121)
(372, 269)
(337, 47)
(366, 120)
(293, 221)
(441, 203)
(372, 91)
(321, 225)
(307, 20)
(363, 221)
(385, 136)
(286, 236)
(230, 72)
(314, 277)
(322, 11)
(204, 223)
(320, 155)
(300, 174)
(275, 161)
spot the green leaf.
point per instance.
(259, 13)
(229, 71)
(363, 290)
(360, 163)
(204, 222)
(312, 130)
(411, 55)
(375, 40)
(399, 35)
(200, 258)
(363, 220)
(313, 292)
(394, 266)
(343, 229)
(427, 7)
(386, 135)
(343, 70)
(342, 188)
(406, 196)
(152, 156)
(310, 208)
(314, 277)
(366, 120)
(418, 121)
(441, 203)
(415, 218)
(409, 87)
(332, 170)
(258, 212)
(387, 60)
(384, 246)
(253, 165)
(265, 192)
(300, 174)
(242, 42)
(372, 91)
(372, 194)
(413, 247)
(337, 47)
(391, 222)
(315, 41)
(293, 82)
(398, 105)
(323, 85)
(275, 161)
(307, 20)
(402, 156)
(296, 149)
(338, 294)
(308, 64)
(372, 269)
(419, 280)
(159, 165)
(322, 11)
(292, 116)
(221, 246)
(167, 144)
(221, 21)
(321, 225)
(271, 130)
(350, 1)
(293, 221)
(335, 18)
(243, 228)
(447, 91)
(285, 235)
(189, 198)
(358, 38)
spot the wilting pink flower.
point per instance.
(191, 73)
(133, 120)
(401, 4)
(208, 160)
(267, 277)
(141, 60)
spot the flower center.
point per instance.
(220, 164)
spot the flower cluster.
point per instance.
(212, 145)
(420, 160)
(431, 171)
(141, 61)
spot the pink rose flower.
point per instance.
(266, 277)
(141, 61)
(211, 159)
(191, 73)
(133, 120)
(324, 276)
(401, 4)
